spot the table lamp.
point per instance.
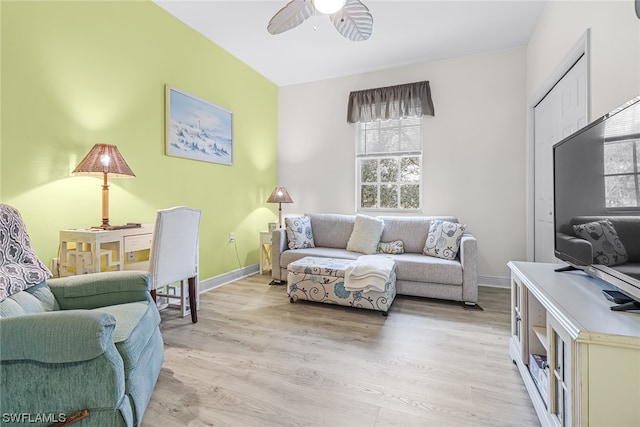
(105, 159)
(279, 196)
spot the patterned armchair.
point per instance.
(75, 346)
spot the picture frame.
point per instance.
(197, 129)
(272, 226)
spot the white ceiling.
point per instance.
(404, 32)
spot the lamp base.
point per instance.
(118, 227)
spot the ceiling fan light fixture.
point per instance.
(351, 18)
(328, 7)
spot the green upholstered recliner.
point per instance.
(87, 342)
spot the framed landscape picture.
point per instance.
(197, 129)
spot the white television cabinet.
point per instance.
(593, 353)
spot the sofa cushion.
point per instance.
(607, 247)
(443, 240)
(630, 269)
(411, 230)
(36, 299)
(395, 247)
(365, 235)
(135, 324)
(422, 268)
(628, 229)
(332, 230)
(299, 232)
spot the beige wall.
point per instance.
(615, 48)
(614, 60)
(474, 147)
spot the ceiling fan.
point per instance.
(351, 18)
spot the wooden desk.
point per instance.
(84, 250)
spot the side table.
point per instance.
(265, 251)
(81, 250)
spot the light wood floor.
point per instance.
(254, 359)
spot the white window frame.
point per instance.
(362, 156)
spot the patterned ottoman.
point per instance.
(322, 280)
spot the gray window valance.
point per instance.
(393, 102)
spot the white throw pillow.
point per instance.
(443, 240)
(365, 235)
(299, 233)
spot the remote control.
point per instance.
(616, 296)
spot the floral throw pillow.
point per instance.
(299, 233)
(20, 267)
(443, 240)
(396, 247)
(607, 247)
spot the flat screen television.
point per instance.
(597, 201)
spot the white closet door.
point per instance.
(560, 113)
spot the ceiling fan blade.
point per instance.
(290, 16)
(353, 21)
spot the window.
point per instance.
(389, 164)
(389, 145)
(621, 165)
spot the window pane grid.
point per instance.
(389, 164)
(622, 189)
(390, 182)
(390, 136)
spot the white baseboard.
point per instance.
(494, 282)
(226, 278)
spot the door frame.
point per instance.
(582, 47)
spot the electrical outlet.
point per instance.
(131, 256)
(232, 237)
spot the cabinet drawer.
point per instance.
(137, 242)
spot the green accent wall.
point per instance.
(78, 73)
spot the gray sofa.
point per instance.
(583, 253)
(416, 274)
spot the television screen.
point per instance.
(597, 198)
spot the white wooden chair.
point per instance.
(174, 256)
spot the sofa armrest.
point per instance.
(56, 336)
(579, 249)
(469, 261)
(63, 361)
(278, 245)
(89, 291)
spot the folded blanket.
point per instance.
(368, 273)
